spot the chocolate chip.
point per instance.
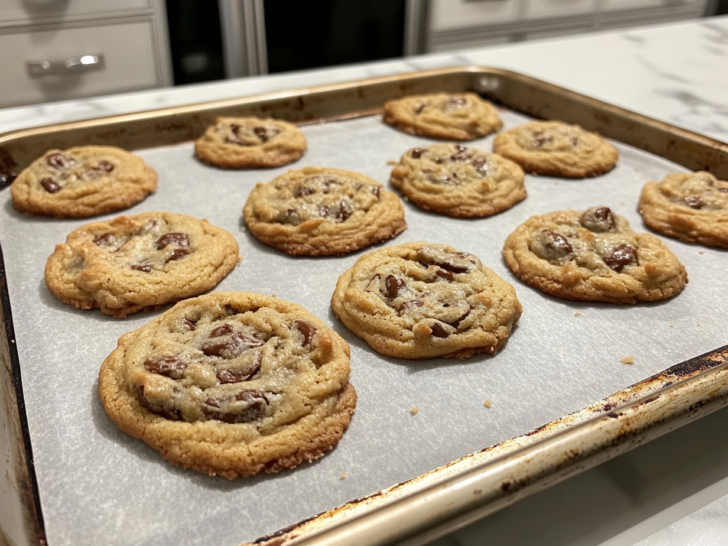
(146, 268)
(555, 243)
(375, 190)
(303, 192)
(174, 415)
(50, 185)
(306, 329)
(344, 212)
(223, 330)
(234, 343)
(438, 330)
(598, 219)
(191, 325)
(540, 141)
(177, 239)
(177, 254)
(60, 161)
(265, 133)
(169, 366)
(226, 410)
(456, 102)
(237, 376)
(105, 239)
(420, 107)
(481, 164)
(724, 190)
(323, 211)
(106, 166)
(693, 201)
(574, 141)
(621, 256)
(392, 285)
(462, 317)
(406, 306)
(461, 153)
(7, 178)
(417, 153)
(444, 274)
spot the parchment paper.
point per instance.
(100, 486)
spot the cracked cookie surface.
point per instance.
(593, 256)
(231, 384)
(690, 207)
(421, 300)
(250, 143)
(554, 148)
(320, 211)
(460, 116)
(82, 181)
(133, 263)
(458, 181)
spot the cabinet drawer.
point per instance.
(613, 5)
(128, 62)
(451, 14)
(25, 11)
(543, 9)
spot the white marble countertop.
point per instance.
(672, 491)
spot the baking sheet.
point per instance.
(97, 485)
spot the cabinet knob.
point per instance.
(72, 65)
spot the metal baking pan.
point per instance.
(561, 400)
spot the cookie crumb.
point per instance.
(487, 404)
(342, 476)
(414, 410)
(697, 324)
(577, 314)
(671, 326)
(701, 252)
(274, 294)
(556, 183)
(627, 360)
(391, 162)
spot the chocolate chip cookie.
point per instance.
(250, 143)
(83, 181)
(231, 384)
(458, 181)
(593, 256)
(689, 207)
(461, 116)
(554, 148)
(320, 211)
(133, 263)
(421, 300)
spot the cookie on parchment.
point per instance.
(593, 256)
(421, 300)
(319, 211)
(250, 143)
(231, 384)
(554, 148)
(453, 116)
(82, 181)
(690, 207)
(458, 181)
(133, 263)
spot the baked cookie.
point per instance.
(83, 181)
(320, 211)
(250, 143)
(461, 116)
(689, 207)
(458, 181)
(554, 148)
(133, 263)
(593, 256)
(231, 384)
(421, 300)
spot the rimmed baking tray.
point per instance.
(452, 462)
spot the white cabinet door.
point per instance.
(28, 11)
(544, 9)
(451, 14)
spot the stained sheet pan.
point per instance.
(560, 398)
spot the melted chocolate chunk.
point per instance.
(344, 212)
(452, 266)
(574, 141)
(303, 192)
(307, 329)
(461, 154)
(50, 185)
(60, 161)
(462, 317)
(238, 376)
(323, 211)
(375, 190)
(228, 411)
(7, 178)
(169, 366)
(420, 107)
(693, 201)
(106, 166)
(621, 256)
(555, 243)
(232, 345)
(172, 416)
(265, 133)
(191, 325)
(417, 153)
(598, 219)
(105, 239)
(407, 305)
(146, 268)
(456, 102)
(392, 285)
(438, 330)
(444, 274)
(724, 190)
(177, 239)
(177, 254)
(481, 164)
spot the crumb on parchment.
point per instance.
(577, 314)
(391, 162)
(342, 476)
(414, 410)
(672, 326)
(274, 294)
(487, 404)
(627, 360)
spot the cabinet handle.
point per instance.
(72, 65)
